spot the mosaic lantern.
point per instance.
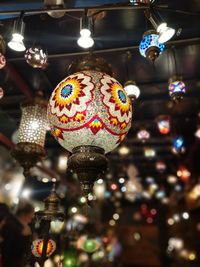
(143, 135)
(89, 114)
(32, 131)
(163, 123)
(2, 61)
(178, 145)
(37, 247)
(36, 57)
(176, 88)
(150, 47)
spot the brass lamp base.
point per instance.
(89, 163)
(28, 154)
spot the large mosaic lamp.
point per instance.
(89, 114)
(32, 131)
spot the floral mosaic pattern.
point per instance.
(89, 108)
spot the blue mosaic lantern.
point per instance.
(176, 88)
(150, 46)
(178, 145)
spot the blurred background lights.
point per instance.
(171, 179)
(149, 152)
(26, 193)
(124, 150)
(116, 216)
(186, 215)
(74, 209)
(121, 180)
(143, 135)
(112, 222)
(62, 162)
(163, 123)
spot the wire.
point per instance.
(178, 11)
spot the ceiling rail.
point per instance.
(79, 9)
(182, 42)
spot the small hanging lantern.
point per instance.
(163, 123)
(143, 135)
(132, 90)
(36, 57)
(2, 52)
(176, 88)
(32, 131)
(45, 217)
(150, 47)
(37, 247)
(178, 145)
(90, 245)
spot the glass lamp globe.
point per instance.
(36, 57)
(132, 90)
(37, 247)
(32, 132)
(89, 114)
(150, 47)
(177, 88)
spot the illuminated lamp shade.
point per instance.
(90, 114)
(90, 245)
(1, 93)
(165, 32)
(150, 47)
(163, 123)
(32, 131)
(85, 40)
(16, 43)
(36, 57)
(57, 226)
(143, 135)
(37, 247)
(132, 90)
(176, 88)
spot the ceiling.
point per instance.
(121, 29)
